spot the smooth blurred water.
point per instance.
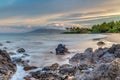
(39, 45)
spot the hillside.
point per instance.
(45, 30)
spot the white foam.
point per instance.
(20, 74)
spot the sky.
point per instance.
(24, 15)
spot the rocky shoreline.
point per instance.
(100, 64)
(7, 67)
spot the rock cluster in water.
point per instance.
(101, 64)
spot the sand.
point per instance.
(113, 37)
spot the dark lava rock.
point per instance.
(7, 67)
(61, 50)
(20, 61)
(108, 71)
(114, 48)
(27, 68)
(16, 60)
(99, 53)
(21, 50)
(53, 67)
(100, 43)
(67, 69)
(78, 58)
(107, 58)
(117, 53)
(45, 75)
(83, 67)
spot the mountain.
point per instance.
(47, 30)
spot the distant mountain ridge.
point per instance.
(47, 30)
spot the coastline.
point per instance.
(89, 68)
(78, 47)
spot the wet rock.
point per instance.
(89, 54)
(7, 67)
(21, 50)
(114, 48)
(117, 53)
(47, 68)
(8, 41)
(114, 69)
(27, 68)
(101, 43)
(25, 62)
(67, 69)
(105, 71)
(5, 48)
(27, 78)
(25, 55)
(53, 67)
(51, 52)
(61, 50)
(16, 60)
(77, 59)
(12, 53)
(88, 51)
(83, 67)
(1, 44)
(20, 61)
(98, 53)
(107, 58)
(45, 76)
(85, 76)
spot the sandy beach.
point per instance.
(113, 37)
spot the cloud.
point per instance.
(31, 13)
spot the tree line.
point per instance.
(105, 27)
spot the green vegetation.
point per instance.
(78, 30)
(110, 27)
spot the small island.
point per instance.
(105, 27)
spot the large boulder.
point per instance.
(61, 49)
(7, 67)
